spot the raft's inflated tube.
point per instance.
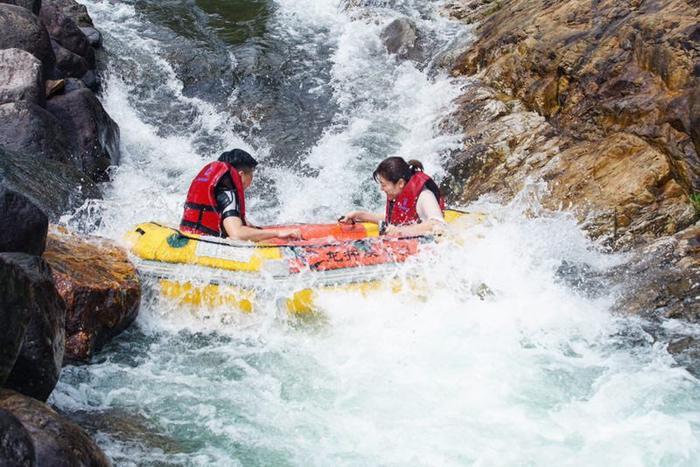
(331, 255)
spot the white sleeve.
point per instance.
(428, 207)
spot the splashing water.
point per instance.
(491, 359)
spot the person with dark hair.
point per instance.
(215, 202)
(414, 205)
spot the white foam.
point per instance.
(491, 359)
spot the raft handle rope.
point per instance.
(287, 245)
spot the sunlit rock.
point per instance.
(21, 29)
(617, 113)
(57, 441)
(99, 286)
(21, 77)
(39, 361)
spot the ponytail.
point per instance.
(415, 166)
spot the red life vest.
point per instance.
(402, 210)
(201, 215)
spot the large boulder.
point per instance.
(29, 129)
(15, 304)
(24, 225)
(21, 77)
(16, 445)
(66, 32)
(401, 38)
(57, 441)
(39, 362)
(93, 36)
(22, 30)
(100, 287)
(32, 5)
(73, 10)
(53, 186)
(70, 65)
(95, 134)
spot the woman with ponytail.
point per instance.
(414, 204)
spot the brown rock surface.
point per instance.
(99, 286)
(57, 441)
(616, 88)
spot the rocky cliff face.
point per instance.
(600, 99)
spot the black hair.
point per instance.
(395, 168)
(239, 159)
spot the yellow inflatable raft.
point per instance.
(210, 271)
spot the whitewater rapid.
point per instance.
(494, 360)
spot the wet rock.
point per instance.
(29, 129)
(66, 32)
(93, 36)
(16, 445)
(73, 84)
(73, 10)
(26, 128)
(129, 427)
(472, 11)
(22, 30)
(69, 64)
(24, 225)
(99, 286)
(95, 134)
(32, 5)
(21, 77)
(91, 81)
(681, 345)
(15, 300)
(53, 186)
(582, 278)
(663, 279)
(694, 117)
(57, 441)
(400, 38)
(616, 92)
(39, 362)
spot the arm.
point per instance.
(237, 231)
(429, 227)
(361, 216)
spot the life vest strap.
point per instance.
(200, 207)
(198, 226)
